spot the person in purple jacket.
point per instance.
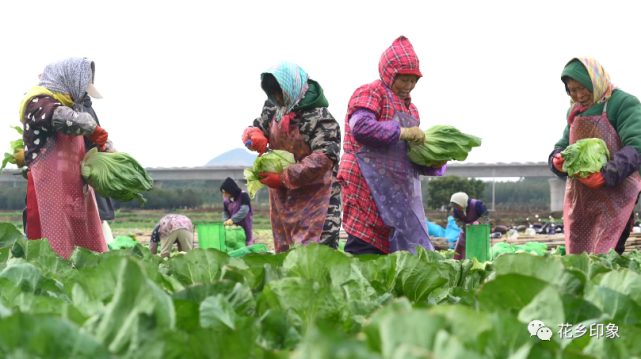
(237, 208)
(467, 212)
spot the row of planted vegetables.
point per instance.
(314, 302)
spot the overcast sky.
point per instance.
(181, 79)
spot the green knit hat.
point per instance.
(577, 71)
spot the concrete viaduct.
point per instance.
(487, 170)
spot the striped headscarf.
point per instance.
(293, 81)
(68, 76)
(601, 84)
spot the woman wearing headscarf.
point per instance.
(305, 202)
(60, 206)
(383, 207)
(597, 214)
(467, 212)
(172, 228)
(237, 208)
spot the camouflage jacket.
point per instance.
(321, 132)
(318, 128)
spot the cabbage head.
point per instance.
(116, 175)
(274, 161)
(15, 147)
(585, 157)
(442, 143)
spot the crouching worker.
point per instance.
(237, 208)
(467, 212)
(172, 228)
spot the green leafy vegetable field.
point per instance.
(313, 302)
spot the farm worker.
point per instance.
(105, 205)
(383, 208)
(237, 208)
(172, 228)
(467, 212)
(305, 200)
(60, 206)
(597, 213)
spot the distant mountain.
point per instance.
(235, 157)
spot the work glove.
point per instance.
(229, 222)
(259, 142)
(271, 180)
(19, 158)
(594, 180)
(439, 164)
(558, 162)
(99, 137)
(413, 135)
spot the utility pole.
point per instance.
(493, 187)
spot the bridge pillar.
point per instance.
(557, 194)
(242, 184)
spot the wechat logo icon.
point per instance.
(536, 327)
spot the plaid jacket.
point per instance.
(360, 216)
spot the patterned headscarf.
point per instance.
(68, 76)
(601, 84)
(400, 58)
(293, 81)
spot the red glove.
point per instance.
(558, 162)
(99, 137)
(259, 142)
(271, 180)
(594, 180)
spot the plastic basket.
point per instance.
(211, 236)
(477, 242)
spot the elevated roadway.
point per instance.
(12, 177)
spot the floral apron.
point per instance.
(297, 215)
(396, 189)
(247, 223)
(594, 218)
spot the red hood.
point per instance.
(398, 58)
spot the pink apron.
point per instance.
(297, 215)
(596, 217)
(66, 206)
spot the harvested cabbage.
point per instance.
(442, 143)
(16, 151)
(585, 157)
(274, 161)
(116, 175)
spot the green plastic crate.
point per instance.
(211, 236)
(217, 236)
(477, 242)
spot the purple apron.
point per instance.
(469, 219)
(247, 222)
(396, 189)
